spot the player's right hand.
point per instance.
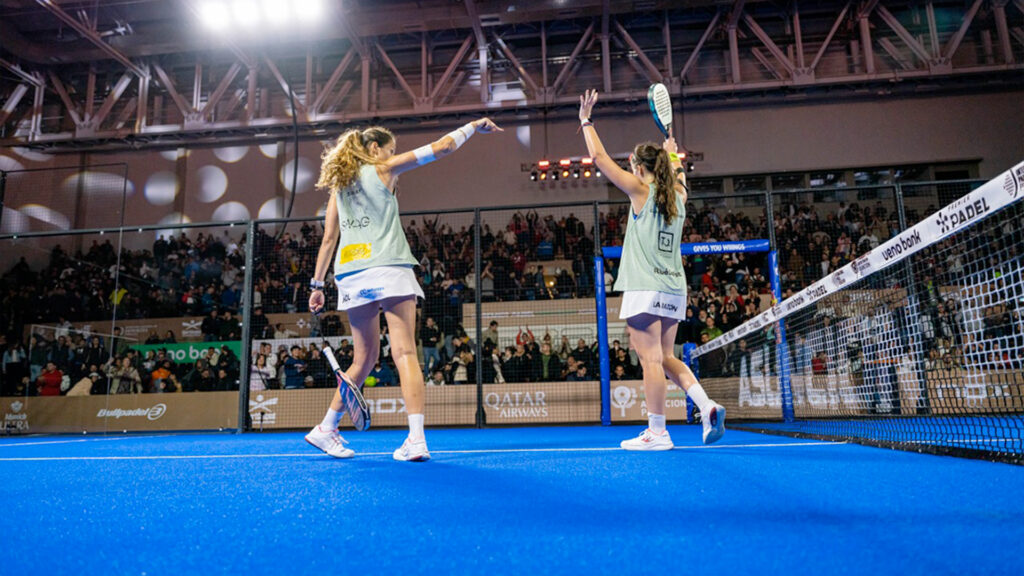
(316, 302)
(587, 102)
(487, 126)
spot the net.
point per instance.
(914, 344)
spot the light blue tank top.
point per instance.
(371, 231)
(650, 252)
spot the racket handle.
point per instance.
(331, 359)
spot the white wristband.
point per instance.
(462, 134)
(424, 154)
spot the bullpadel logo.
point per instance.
(152, 413)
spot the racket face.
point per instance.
(355, 404)
(351, 396)
(660, 102)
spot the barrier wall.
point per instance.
(126, 412)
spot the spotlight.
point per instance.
(681, 154)
(587, 161)
(309, 11)
(587, 173)
(214, 14)
(565, 173)
(276, 12)
(544, 164)
(533, 176)
(690, 167)
(554, 175)
(597, 174)
(576, 173)
(565, 162)
(246, 13)
(543, 175)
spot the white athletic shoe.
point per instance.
(648, 440)
(411, 451)
(714, 424)
(330, 442)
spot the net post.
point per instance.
(785, 388)
(481, 416)
(245, 361)
(604, 360)
(602, 341)
(688, 350)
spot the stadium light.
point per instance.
(544, 164)
(565, 162)
(214, 14)
(587, 161)
(309, 11)
(576, 173)
(276, 12)
(246, 13)
(533, 176)
(587, 173)
(565, 173)
(543, 175)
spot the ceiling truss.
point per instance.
(720, 52)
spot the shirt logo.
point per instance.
(354, 252)
(665, 241)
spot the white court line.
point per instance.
(12, 444)
(308, 454)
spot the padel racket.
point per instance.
(351, 395)
(661, 107)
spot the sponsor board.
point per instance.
(16, 420)
(961, 214)
(132, 412)
(901, 244)
(629, 403)
(189, 352)
(544, 402)
(154, 412)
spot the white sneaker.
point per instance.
(648, 440)
(413, 451)
(330, 442)
(714, 424)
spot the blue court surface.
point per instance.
(502, 501)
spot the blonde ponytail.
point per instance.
(340, 164)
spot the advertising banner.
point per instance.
(123, 412)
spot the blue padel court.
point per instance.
(502, 501)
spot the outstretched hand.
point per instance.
(587, 102)
(487, 126)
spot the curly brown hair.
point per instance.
(656, 160)
(341, 163)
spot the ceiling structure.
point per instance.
(92, 75)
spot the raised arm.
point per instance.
(677, 166)
(438, 149)
(623, 180)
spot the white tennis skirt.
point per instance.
(377, 283)
(635, 302)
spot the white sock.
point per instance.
(656, 422)
(699, 397)
(416, 426)
(331, 420)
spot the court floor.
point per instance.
(553, 500)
